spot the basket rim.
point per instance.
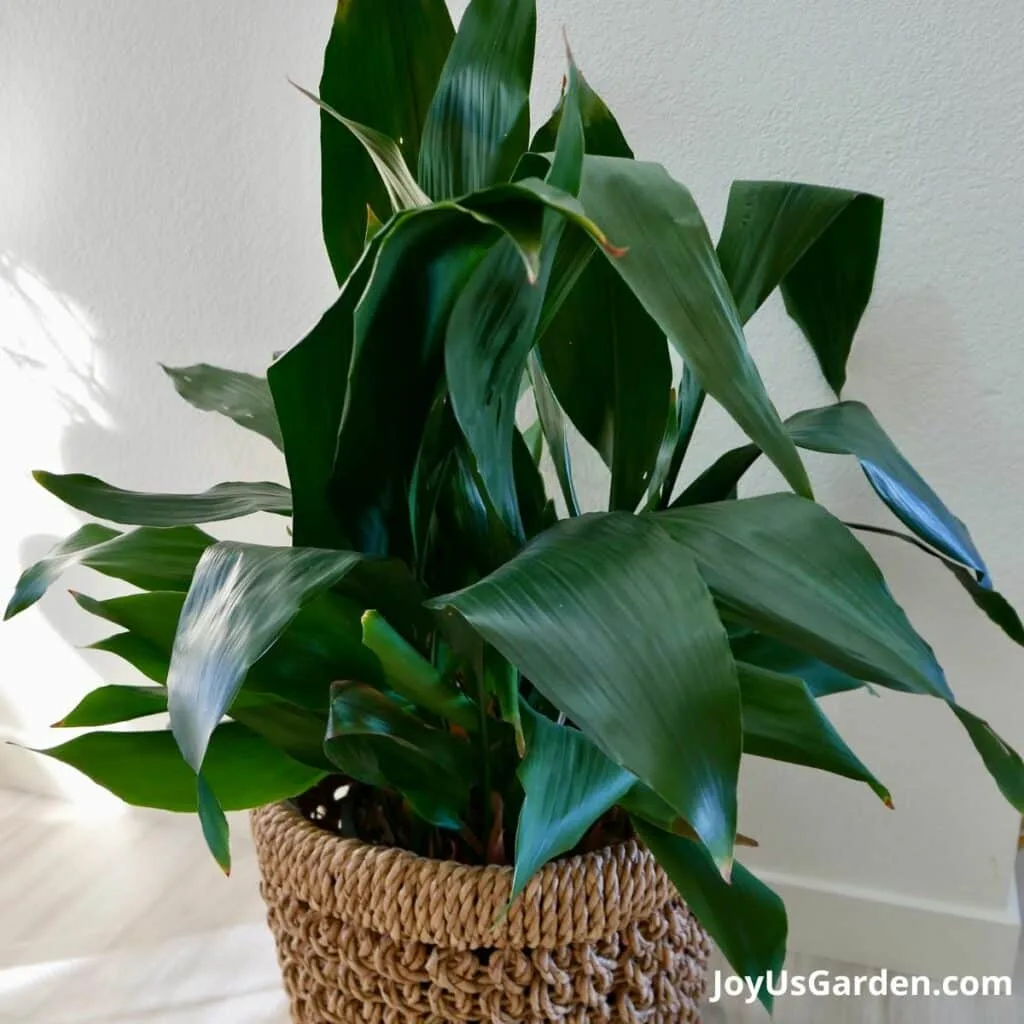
(402, 894)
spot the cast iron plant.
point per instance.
(495, 672)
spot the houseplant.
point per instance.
(466, 633)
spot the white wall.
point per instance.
(158, 196)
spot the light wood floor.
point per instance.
(126, 920)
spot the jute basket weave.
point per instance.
(380, 936)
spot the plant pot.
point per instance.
(378, 935)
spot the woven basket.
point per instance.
(376, 935)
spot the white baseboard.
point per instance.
(879, 929)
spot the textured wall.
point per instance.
(158, 196)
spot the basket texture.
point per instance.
(376, 935)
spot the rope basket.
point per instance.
(376, 935)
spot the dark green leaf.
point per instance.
(744, 918)
(569, 784)
(785, 567)
(150, 557)
(551, 422)
(819, 244)
(1001, 760)
(242, 598)
(108, 705)
(479, 119)
(849, 428)
(609, 368)
(602, 134)
(610, 620)
(402, 189)
(223, 501)
(308, 385)
(719, 481)
(146, 769)
(768, 653)
(689, 403)
(781, 720)
(374, 740)
(992, 603)
(139, 652)
(239, 396)
(672, 269)
(381, 67)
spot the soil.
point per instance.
(354, 810)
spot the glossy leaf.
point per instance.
(819, 244)
(770, 654)
(145, 768)
(719, 481)
(372, 739)
(849, 428)
(307, 383)
(381, 67)
(991, 602)
(782, 721)
(137, 651)
(1001, 760)
(411, 676)
(609, 620)
(689, 403)
(744, 918)
(479, 119)
(151, 558)
(241, 599)
(672, 269)
(569, 784)
(221, 502)
(214, 824)
(551, 421)
(602, 134)
(402, 188)
(241, 397)
(784, 566)
(609, 367)
(108, 705)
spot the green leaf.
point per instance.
(372, 739)
(785, 567)
(849, 428)
(689, 403)
(108, 705)
(1001, 760)
(601, 132)
(819, 244)
(719, 481)
(424, 260)
(672, 269)
(239, 396)
(402, 189)
(321, 644)
(241, 599)
(411, 676)
(381, 67)
(551, 422)
(744, 918)
(223, 501)
(140, 653)
(610, 621)
(782, 721)
(609, 368)
(150, 557)
(479, 119)
(991, 602)
(308, 389)
(569, 784)
(770, 654)
(145, 768)
(214, 824)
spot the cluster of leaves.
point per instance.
(437, 631)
